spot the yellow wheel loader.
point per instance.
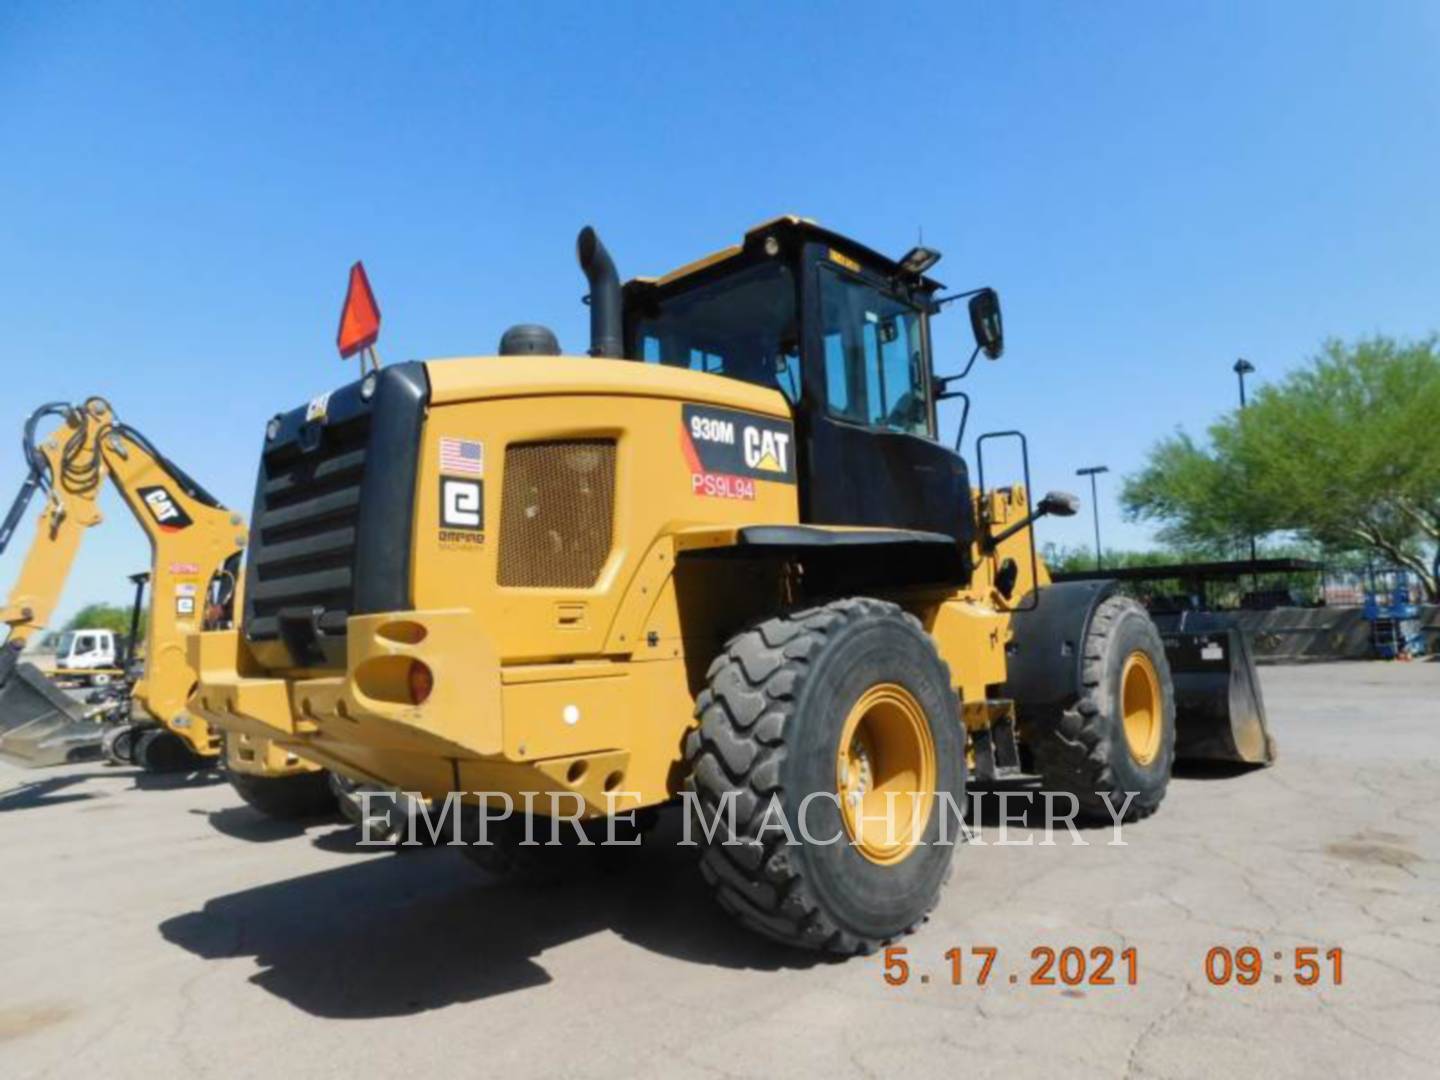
(724, 559)
(196, 547)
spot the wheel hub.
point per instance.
(859, 774)
(885, 773)
(1141, 707)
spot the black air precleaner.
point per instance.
(528, 339)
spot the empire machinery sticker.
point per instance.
(727, 451)
(462, 492)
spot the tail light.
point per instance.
(421, 681)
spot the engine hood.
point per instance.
(485, 377)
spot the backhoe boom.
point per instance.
(195, 546)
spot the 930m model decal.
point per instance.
(727, 450)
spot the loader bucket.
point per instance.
(40, 725)
(1219, 712)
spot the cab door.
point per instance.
(82, 652)
(867, 421)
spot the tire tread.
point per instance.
(1072, 752)
(739, 745)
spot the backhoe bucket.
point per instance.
(1219, 712)
(40, 725)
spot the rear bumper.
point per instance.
(366, 700)
(260, 757)
(543, 729)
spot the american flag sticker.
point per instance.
(462, 457)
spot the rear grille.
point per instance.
(302, 553)
(331, 532)
(556, 513)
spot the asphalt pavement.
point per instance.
(156, 927)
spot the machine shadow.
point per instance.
(423, 929)
(248, 824)
(1019, 802)
(48, 792)
(1214, 770)
(176, 781)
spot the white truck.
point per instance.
(91, 656)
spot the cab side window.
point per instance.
(874, 358)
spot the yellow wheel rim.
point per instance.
(1140, 706)
(885, 773)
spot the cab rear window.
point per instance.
(742, 326)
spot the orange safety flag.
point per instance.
(360, 317)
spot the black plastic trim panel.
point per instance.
(387, 494)
(1045, 655)
(332, 525)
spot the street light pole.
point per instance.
(1242, 368)
(1092, 472)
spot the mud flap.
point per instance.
(39, 724)
(1219, 711)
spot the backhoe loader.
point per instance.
(196, 546)
(724, 559)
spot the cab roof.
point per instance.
(803, 229)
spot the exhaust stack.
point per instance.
(605, 330)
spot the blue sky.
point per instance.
(1153, 188)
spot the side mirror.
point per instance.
(1059, 504)
(986, 323)
(1055, 503)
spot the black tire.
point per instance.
(505, 857)
(159, 750)
(514, 862)
(394, 816)
(1084, 749)
(297, 797)
(118, 744)
(770, 726)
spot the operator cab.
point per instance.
(844, 333)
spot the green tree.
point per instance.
(1343, 454)
(104, 617)
(1063, 559)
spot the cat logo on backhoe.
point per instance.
(163, 508)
